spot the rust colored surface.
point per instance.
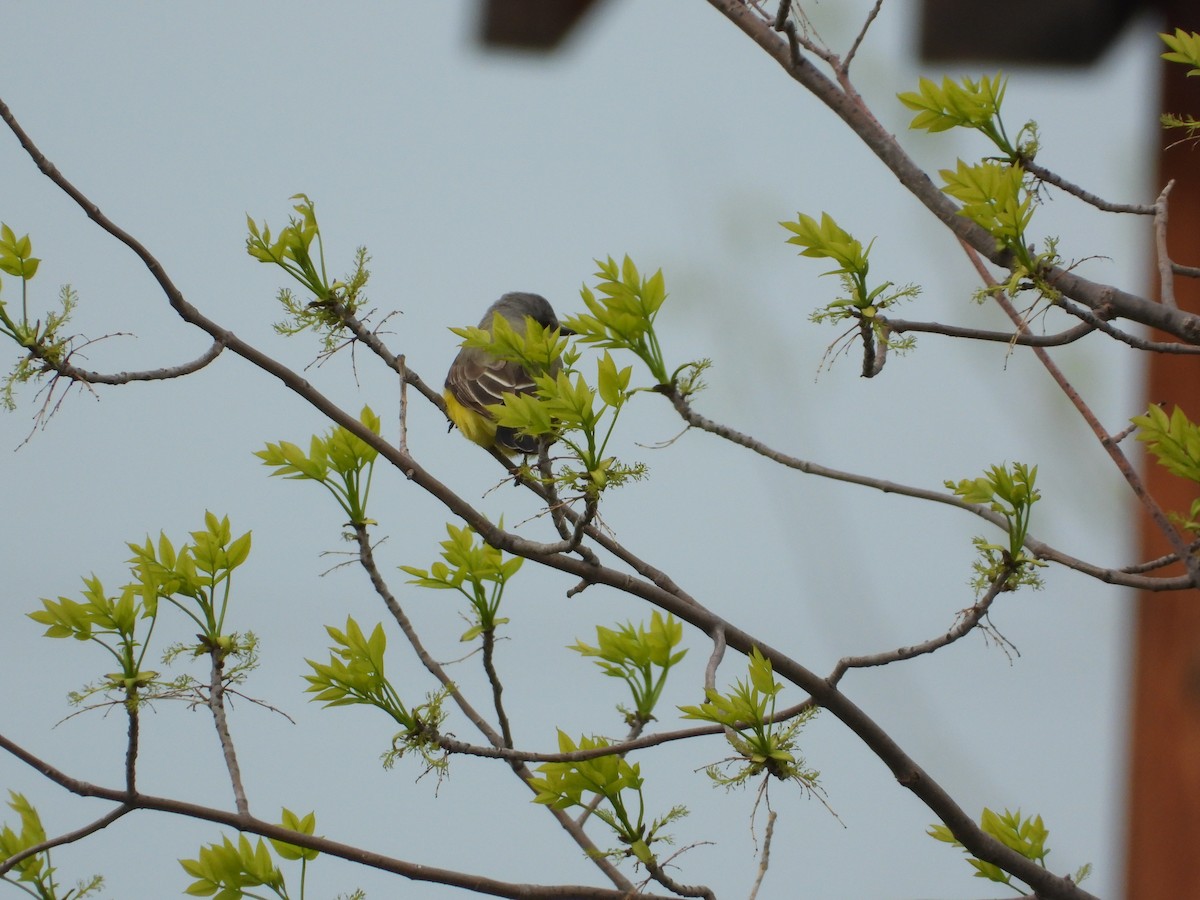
(1163, 846)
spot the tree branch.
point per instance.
(243, 822)
(216, 704)
(965, 622)
(1183, 325)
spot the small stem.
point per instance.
(216, 703)
(489, 646)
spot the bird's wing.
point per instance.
(478, 379)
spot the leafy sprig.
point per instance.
(863, 302)
(43, 345)
(622, 316)
(1026, 836)
(969, 104)
(300, 251)
(747, 711)
(227, 869)
(355, 674)
(340, 461)
(618, 782)
(640, 657)
(1174, 441)
(1010, 492)
(476, 570)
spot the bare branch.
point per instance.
(862, 33)
(1044, 174)
(7, 865)
(243, 822)
(764, 860)
(684, 890)
(74, 373)
(1166, 275)
(964, 623)
(1037, 548)
(489, 666)
(216, 704)
(902, 326)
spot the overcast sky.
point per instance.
(661, 132)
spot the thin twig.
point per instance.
(714, 660)
(1044, 174)
(963, 625)
(216, 703)
(489, 666)
(7, 865)
(901, 326)
(1038, 548)
(683, 890)
(1097, 319)
(131, 747)
(1166, 275)
(764, 860)
(862, 33)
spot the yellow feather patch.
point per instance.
(473, 426)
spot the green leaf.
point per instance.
(1184, 48)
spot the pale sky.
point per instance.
(661, 132)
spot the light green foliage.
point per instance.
(306, 824)
(476, 570)
(536, 348)
(1026, 836)
(993, 192)
(35, 874)
(747, 711)
(341, 461)
(1011, 493)
(111, 622)
(995, 197)
(1175, 442)
(567, 405)
(195, 579)
(292, 251)
(969, 104)
(355, 675)
(1185, 48)
(42, 345)
(622, 317)
(828, 240)
(640, 657)
(227, 869)
(618, 782)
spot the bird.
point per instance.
(477, 378)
